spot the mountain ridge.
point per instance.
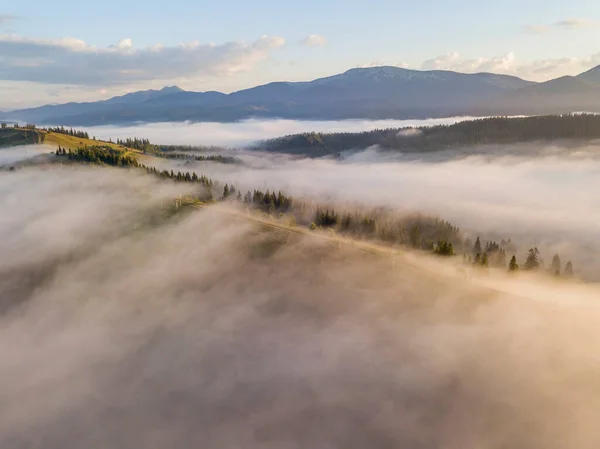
(383, 92)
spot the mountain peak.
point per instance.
(171, 89)
(591, 76)
(384, 70)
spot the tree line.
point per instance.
(221, 159)
(494, 254)
(495, 130)
(67, 131)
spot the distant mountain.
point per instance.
(591, 76)
(561, 95)
(362, 93)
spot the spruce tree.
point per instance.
(484, 260)
(533, 259)
(415, 237)
(477, 247)
(555, 267)
(513, 266)
(569, 269)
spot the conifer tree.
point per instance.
(569, 269)
(513, 266)
(533, 259)
(477, 247)
(484, 260)
(415, 237)
(555, 267)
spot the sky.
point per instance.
(68, 50)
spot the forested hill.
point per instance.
(497, 130)
(20, 136)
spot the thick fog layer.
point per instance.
(539, 194)
(12, 155)
(248, 131)
(123, 329)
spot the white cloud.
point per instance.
(5, 19)
(575, 23)
(453, 61)
(536, 29)
(313, 40)
(538, 70)
(73, 61)
(568, 24)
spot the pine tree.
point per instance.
(477, 247)
(533, 259)
(484, 260)
(477, 259)
(225, 191)
(555, 267)
(415, 237)
(569, 269)
(513, 266)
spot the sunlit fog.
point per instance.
(203, 329)
(247, 132)
(300, 225)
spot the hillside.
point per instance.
(558, 96)
(24, 136)
(10, 137)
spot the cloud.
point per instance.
(164, 333)
(566, 24)
(574, 24)
(5, 19)
(466, 186)
(249, 132)
(313, 40)
(536, 29)
(537, 70)
(453, 61)
(73, 61)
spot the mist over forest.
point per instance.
(202, 328)
(129, 320)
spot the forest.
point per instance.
(146, 146)
(495, 130)
(419, 232)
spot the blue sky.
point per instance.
(72, 50)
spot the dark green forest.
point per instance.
(496, 130)
(419, 232)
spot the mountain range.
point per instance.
(360, 93)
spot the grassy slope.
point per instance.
(20, 136)
(73, 143)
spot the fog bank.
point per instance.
(540, 194)
(11, 155)
(248, 131)
(203, 331)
